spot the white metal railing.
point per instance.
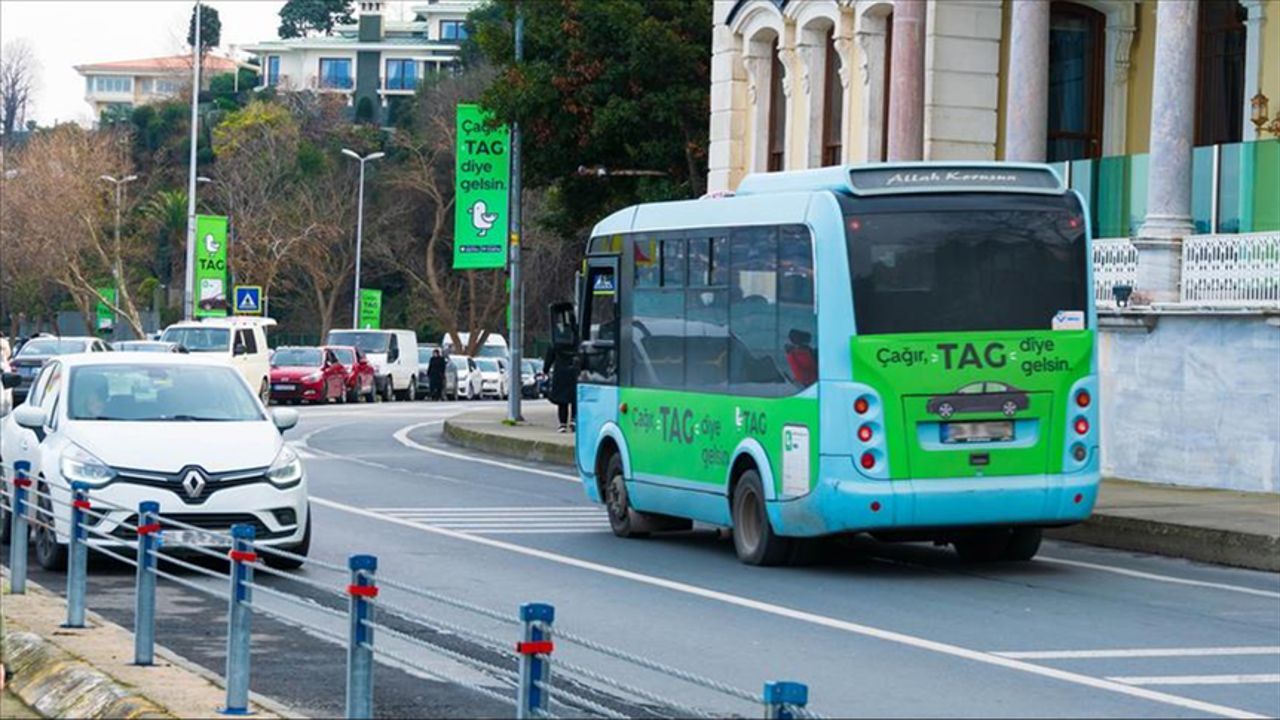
(1115, 262)
(1231, 270)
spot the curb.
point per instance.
(55, 684)
(520, 448)
(1201, 544)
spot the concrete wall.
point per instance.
(1196, 401)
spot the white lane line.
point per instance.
(815, 619)
(1140, 653)
(402, 436)
(1160, 578)
(1264, 678)
(556, 509)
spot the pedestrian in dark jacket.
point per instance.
(562, 364)
(435, 375)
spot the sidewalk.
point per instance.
(1215, 526)
(89, 673)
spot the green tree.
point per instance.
(300, 18)
(210, 28)
(623, 85)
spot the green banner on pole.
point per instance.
(105, 316)
(211, 266)
(482, 188)
(370, 309)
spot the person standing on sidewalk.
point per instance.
(435, 375)
(562, 364)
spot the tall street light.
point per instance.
(355, 301)
(188, 285)
(116, 270)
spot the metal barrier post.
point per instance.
(144, 601)
(360, 637)
(18, 533)
(783, 698)
(77, 560)
(535, 660)
(238, 620)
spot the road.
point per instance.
(874, 630)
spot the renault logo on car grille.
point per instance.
(193, 483)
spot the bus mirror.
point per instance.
(564, 325)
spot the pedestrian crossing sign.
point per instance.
(248, 300)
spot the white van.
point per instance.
(241, 340)
(494, 345)
(393, 354)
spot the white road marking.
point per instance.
(1265, 678)
(1160, 578)
(501, 521)
(815, 619)
(402, 436)
(1140, 653)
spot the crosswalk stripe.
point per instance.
(1198, 679)
(507, 520)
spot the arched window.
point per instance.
(777, 113)
(833, 106)
(1076, 52)
(1220, 90)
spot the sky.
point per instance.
(66, 33)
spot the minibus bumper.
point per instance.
(845, 501)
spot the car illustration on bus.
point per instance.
(980, 397)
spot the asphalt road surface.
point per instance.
(874, 630)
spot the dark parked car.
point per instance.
(980, 397)
(37, 350)
(450, 390)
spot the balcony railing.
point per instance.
(1232, 270)
(1115, 262)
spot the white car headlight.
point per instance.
(286, 471)
(313, 377)
(80, 465)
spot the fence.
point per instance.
(1231, 270)
(1115, 262)
(526, 663)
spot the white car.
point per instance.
(393, 354)
(186, 431)
(493, 377)
(240, 342)
(470, 382)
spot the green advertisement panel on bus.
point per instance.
(482, 191)
(1018, 382)
(211, 267)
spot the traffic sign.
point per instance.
(248, 300)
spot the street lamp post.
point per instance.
(116, 270)
(355, 301)
(188, 286)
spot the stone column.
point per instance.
(1173, 94)
(906, 94)
(1027, 127)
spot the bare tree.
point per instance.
(61, 212)
(19, 73)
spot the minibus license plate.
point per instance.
(971, 432)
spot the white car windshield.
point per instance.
(47, 347)
(160, 393)
(199, 339)
(489, 365)
(370, 342)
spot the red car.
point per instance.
(307, 374)
(361, 377)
